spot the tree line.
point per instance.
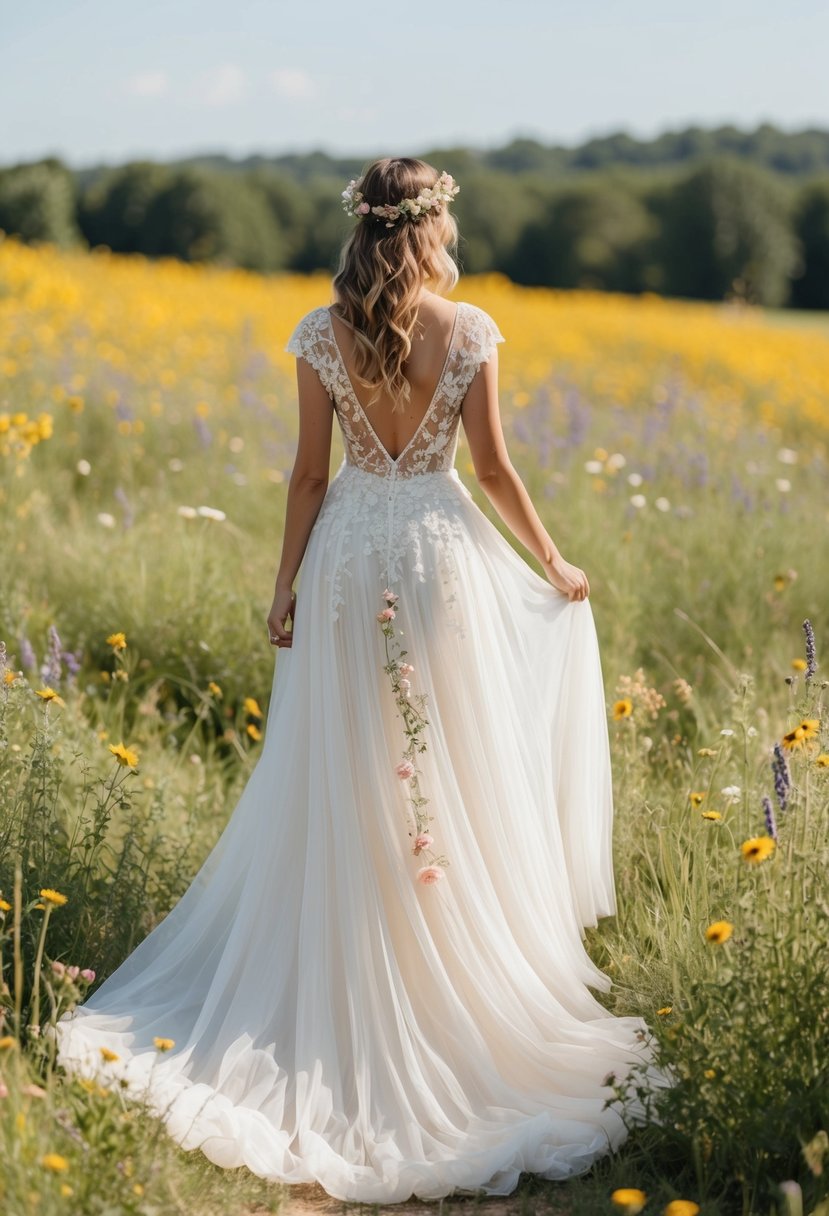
(721, 224)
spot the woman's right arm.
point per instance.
(503, 487)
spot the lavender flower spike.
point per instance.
(782, 780)
(771, 822)
(811, 660)
(52, 669)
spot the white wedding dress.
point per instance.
(335, 1019)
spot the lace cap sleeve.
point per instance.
(489, 336)
(311, 340)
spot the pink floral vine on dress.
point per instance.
(412, 711)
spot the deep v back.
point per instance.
(433, 445)
(395, 460)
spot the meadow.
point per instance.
(677, 451)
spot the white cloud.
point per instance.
(293, 83)
(224, 85)
(148, 84)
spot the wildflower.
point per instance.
(137, 1189)
(49, 694)
(87, 974)
(629, 1200)
(822, 761)
(405, 769)
(106, 520)
(799, 664)
(811, 661)
(254, 732)
(215, 690)
(664, 1011)
(164, 1044)
(727, 732)
(117, 641)
(780, 772)
(58, 968)
(757, 849)
(429, 874)
(706, 751)
(684, 691)
(388, 614)
(802, 733)
(622, 709)
(5, 906)
(65, 1189)
(9, 677)
(53, 897)
(124, 755)
(54, 1162)
(681, 1207)
(109, 1055)
(731, 792)
(638, 501)
(712, 815)
(211, 513)
(710, 1073)
(696, 797)
(662, 504)
(718, 932)
(7, 1042)
(768, 814)
(779, 582)
(251, 706)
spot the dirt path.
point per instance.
(310, 1199)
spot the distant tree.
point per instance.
(113, 210)
(202, 216)
(594, 236)
(37, 202)
(810, 288)
(492, 211)
(287, 203)
(726, 229)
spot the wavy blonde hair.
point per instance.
(382, 270)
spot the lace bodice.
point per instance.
(432, 447)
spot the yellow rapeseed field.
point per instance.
(77, 327)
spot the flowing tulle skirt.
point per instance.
(334, 1019)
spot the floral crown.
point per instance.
(430, 199)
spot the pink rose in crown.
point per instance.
(388, 614)
(362, 209)
(405, 769)
(429, 874)
(406, 669)
(390, 596)
(88, 974)
(422, 841)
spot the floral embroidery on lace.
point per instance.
(400, 507)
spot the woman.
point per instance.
(377, 980)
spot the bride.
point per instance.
(378, 980)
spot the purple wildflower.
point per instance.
(782, 780)
(771, 822)
(52, 667)
(28, 659)
(811, 660)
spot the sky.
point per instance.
(93, 81)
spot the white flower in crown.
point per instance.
(431, 198)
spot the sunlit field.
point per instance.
(678, 452)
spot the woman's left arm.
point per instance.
(306, 491)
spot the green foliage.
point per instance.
(113, 211)
(37, 203)
(811, 287)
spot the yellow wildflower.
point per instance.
(109, 1055)
(7, 1042)
(254, 732)
(757, 849)
(215, 689)
(664, 1011)
(822, 761)
(719, 931)
(49, 694)
(622, 709)
(54, 1162)
(164, 1044)
(629, 1200)
(682, 1207)
(799, 664)
(124, 755)
(696, 797)
(137, 1188)
(710, 1073)
(706, 751)
(65, 1189)
(802, 733)
(5, 906)
(711, 815)
(252, 707)
(53, 897)
(779, 582)
(9, 677)
(118, 641)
